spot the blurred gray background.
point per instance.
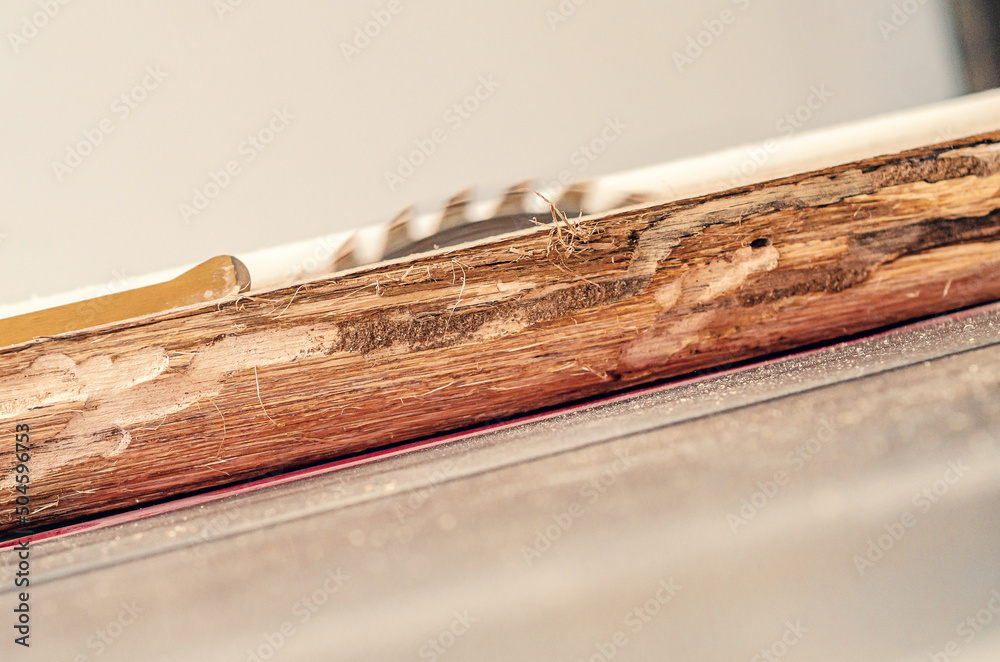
(117, 114)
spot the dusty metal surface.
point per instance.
(541, 541)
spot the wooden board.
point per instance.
(763, 493)
(204, 396)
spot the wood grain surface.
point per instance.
(205, 396)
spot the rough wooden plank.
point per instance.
(204, 396)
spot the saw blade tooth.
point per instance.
(399, 233)
(347, 256)
(571, 202)
(513, 201)
(454, 212)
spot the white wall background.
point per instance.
(225, 69)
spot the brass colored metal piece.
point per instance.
(217, 278)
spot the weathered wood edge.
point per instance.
(210, 395)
